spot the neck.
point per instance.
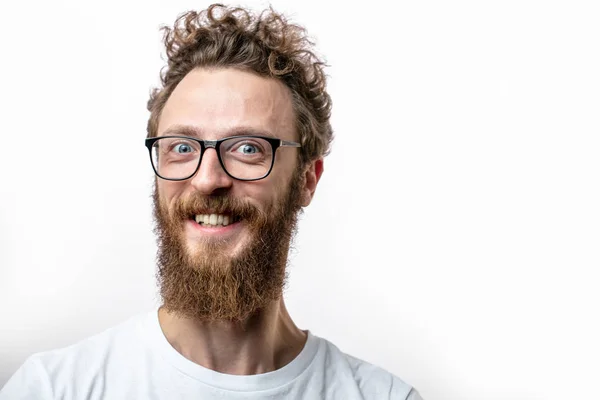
(264, 342)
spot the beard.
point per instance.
(200, 280)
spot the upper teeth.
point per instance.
(213, 219)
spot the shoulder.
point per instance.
(372, 381)
(30, 381)
(50, 371)
(99, 347)
(378, 383)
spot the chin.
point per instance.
(197, 248)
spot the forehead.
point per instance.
(221, 102)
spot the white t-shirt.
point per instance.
(134, 360)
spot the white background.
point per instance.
(454, 237)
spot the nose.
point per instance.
(211, 178)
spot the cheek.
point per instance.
(278, 188)
(265, 194)
(284, 168)
(259, 193)
(168, 191)
(285, 161)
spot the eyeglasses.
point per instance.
(246, 158)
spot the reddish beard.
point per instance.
(206, 283)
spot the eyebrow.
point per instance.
(187, 130)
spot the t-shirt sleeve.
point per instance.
(30, 382)
(414, 395)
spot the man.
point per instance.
(236, 136)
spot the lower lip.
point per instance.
(214, 230)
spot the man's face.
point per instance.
(227, 272)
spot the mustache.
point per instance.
(218, 204)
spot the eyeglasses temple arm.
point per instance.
(285, 143)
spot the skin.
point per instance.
(217, 103)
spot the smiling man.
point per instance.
(236, 137)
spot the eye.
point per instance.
(183, 148)
(247, 148)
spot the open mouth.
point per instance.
(216, 219)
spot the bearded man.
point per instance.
(236, 137)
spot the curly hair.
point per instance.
(267, 44)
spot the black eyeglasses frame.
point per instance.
(216, 144)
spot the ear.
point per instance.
(312, 175)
